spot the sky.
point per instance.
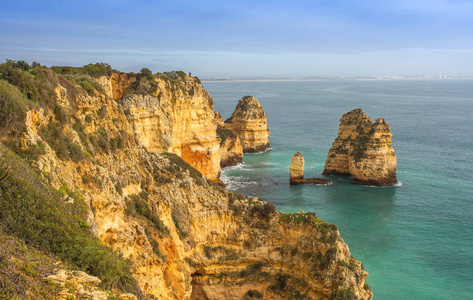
(245, 39)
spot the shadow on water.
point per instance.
(364, 215)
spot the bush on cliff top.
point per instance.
(36, 213)
(94, 70)
(13, 107)
(224, 133)
(37, 83)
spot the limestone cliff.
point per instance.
(363, 150)
(186, 238)
(248, 121)
(373, 160)
(231, 151)
(173, 116)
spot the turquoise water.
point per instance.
(416, 239)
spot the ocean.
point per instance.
(415, 239)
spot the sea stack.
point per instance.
(248, 122)
(296, 168)
(297, 173)
(363, 150)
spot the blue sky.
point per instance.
(245, 38)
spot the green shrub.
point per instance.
(178, 165)
(37, 84)
(190, 262)
(87, 86)
(94, 70)
(153, 242)
(163, 76)
(340, 294)
(34, 212)
(175, 74)
(280, 284)
(13, 107)
(253, 294)
(60, 114)
(253, 269)
(137, 205)
(224, 133)
(23, 268)
(146, 73)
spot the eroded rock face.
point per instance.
(363, 150)
(373, 160)
(177, 118)
(248, 121)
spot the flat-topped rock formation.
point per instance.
(248, 121)
(297, 173)
(363, 150)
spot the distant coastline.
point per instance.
(387, 77)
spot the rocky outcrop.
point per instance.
(79, 285)
(248, 121)
(297, 173)
(363, 150)
(188, 239)
(116, 85)
(373, 160)
(176, 117)
(231, 151)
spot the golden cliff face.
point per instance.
(363, 150)
(186, 238)
(176, 117)
(374, 161)
(248, 121)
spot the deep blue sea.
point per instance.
(416, 239)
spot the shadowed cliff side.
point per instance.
(231, 151)
(185, 237)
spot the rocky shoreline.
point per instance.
(132, 148)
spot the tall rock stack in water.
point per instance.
(296, 168)
(248, 121)
(373, 160)
(363, 150)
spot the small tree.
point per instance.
(145, 72)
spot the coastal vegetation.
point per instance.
(36, 214)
